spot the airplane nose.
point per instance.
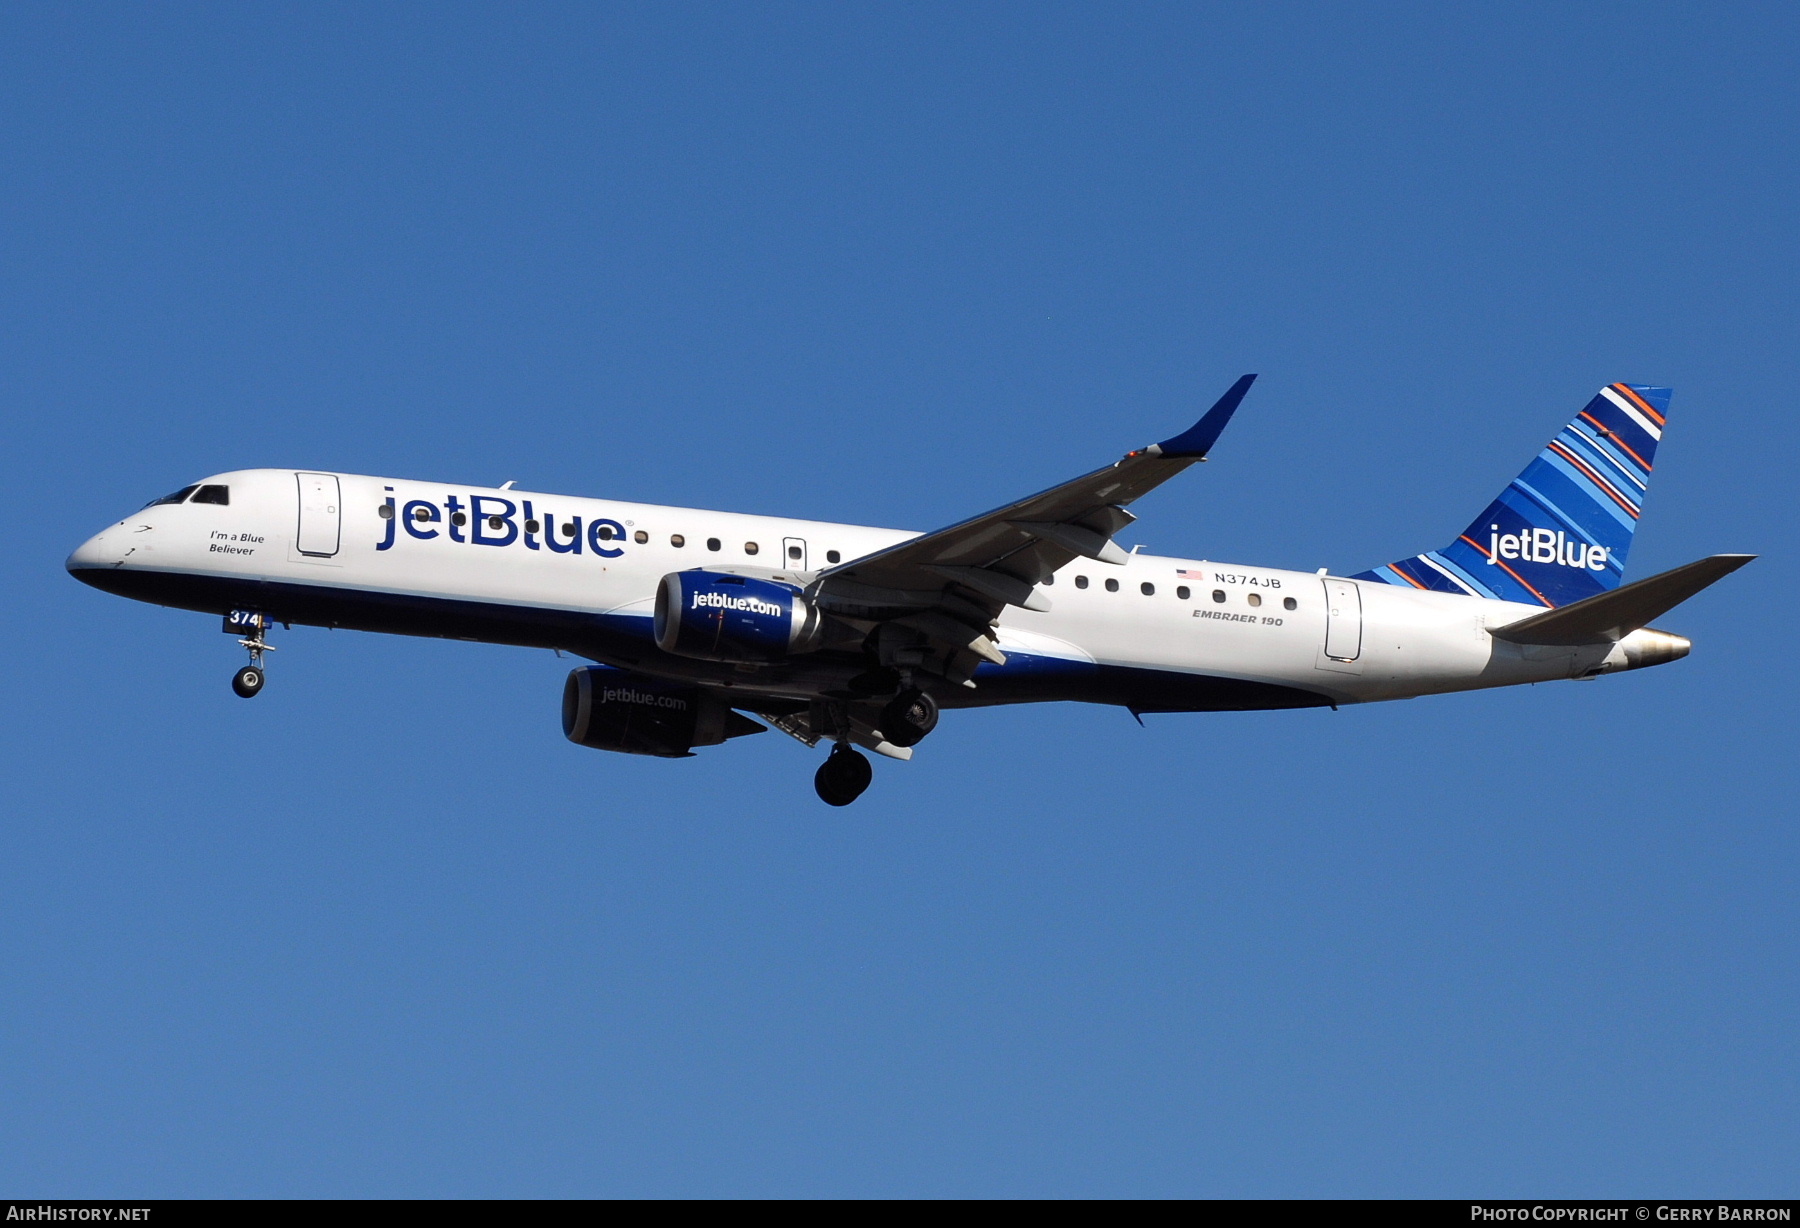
(94, 552)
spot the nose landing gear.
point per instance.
(843, 776)
(248, 682)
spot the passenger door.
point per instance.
(320, 517)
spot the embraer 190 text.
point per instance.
(701, 621)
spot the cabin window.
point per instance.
(495, 523)
(221, 495)
(1255, 599)
(604, 531)
(1049, 580)
(712, 543)
(1288, 603)
(532, 526)
(751, 547)
(677, 540)
(177, 497)
(422, 514)
(458, 519)
(1183, 591)
(385, 511)
(640, 537)
(1219, 595)
(832, 556)
(1147, 588)
(1112, 586)
(1080, 581)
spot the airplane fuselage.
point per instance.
(1154, 633)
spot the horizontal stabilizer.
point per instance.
(1613, 615)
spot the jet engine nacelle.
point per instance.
(609, 709)
(713, 616)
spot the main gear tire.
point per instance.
(908, 718)
(843, 777)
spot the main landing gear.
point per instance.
(905, 720)
(248, 682)
(909, 717)
(843, 776)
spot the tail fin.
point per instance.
(1560, 532)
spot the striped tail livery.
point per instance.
(1561, 530)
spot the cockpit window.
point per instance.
(177, 497)
(214, 494)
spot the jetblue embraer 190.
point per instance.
(701, 622)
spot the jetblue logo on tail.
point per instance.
(1543, 546)
(1560, 531)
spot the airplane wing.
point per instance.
(934, 600)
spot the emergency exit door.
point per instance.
(793, 550)
(1343, 620)
(320, 517)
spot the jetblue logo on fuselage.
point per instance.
(748, 605)
(493, 521)
(1544, 546)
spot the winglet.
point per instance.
(1199, 438)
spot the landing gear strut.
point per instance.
(843, 776)
(248, 682)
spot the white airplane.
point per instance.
(859, 636)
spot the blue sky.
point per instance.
(384, 932)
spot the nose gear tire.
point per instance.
(247, 682)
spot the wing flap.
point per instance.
(998, 586)
(1077, 539)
